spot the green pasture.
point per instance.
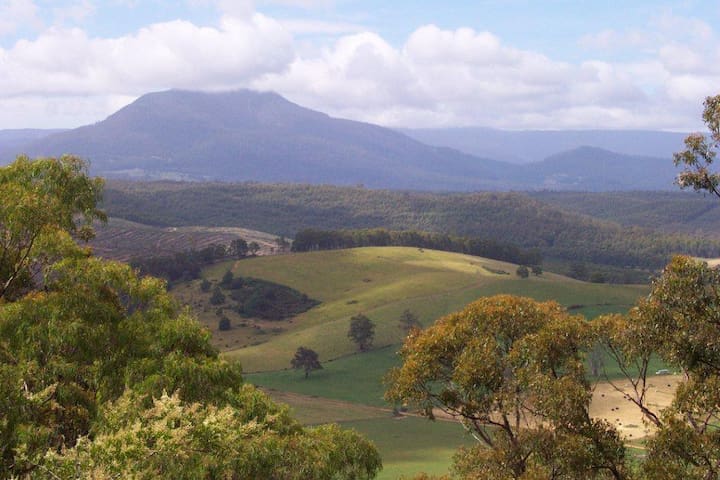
(381, 282)
(410, 445)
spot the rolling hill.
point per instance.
(380, 282)
(506, 217)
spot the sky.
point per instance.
(511, 64)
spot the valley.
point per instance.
(380, 282)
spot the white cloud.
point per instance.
(14, 14)
(179, 54)
(437, 77)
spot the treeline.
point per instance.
(311, 239)
(185, 266)
(501, 217)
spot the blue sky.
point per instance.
(506, 64)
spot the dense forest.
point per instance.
(310, 239)
(503, 217)
(672, 212)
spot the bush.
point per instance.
(224, 324)
(217, 297)
(205, 285)
(522, 271)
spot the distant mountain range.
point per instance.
(252, 136)
(527, 146)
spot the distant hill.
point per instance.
(246, 135)
(526, 146)
(13, 141)
(505, 217)
(595, 169)
(252, 136)
(671, 212)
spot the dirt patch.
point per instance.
(609, 404)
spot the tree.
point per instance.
(678, 322)
(306, 359)
(103, 376)
(522, 271)
(227, 279)
(537, 270)
(224, 323)
(205, 285)
(511, 369)
(409, 321)
(43, 203)
(700, 153)
(362, 331)
(254, 248)
(217, 297)
(239, 247)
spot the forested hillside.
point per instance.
(686, 212)
(508, 217)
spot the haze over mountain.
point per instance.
(251, 136)
(526, 146)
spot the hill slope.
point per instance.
(505, 217)
(526, 146)
(381, 282)
(246, 135)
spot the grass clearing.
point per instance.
(410, 445)
(381, 282)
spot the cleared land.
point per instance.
(380, 282)
(122, 239)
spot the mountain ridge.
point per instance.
(245, 135)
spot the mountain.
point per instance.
(525, 146)
(246, 135)
(595, 169)
(13, 141)
(252, 136)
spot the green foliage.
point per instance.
(362, 331)
(226, 279)
(217, 297)
(224, 323)
(42, 203)
(205, 285)
(310, 240)
(522, 271)
(86, 359)
(536, 270)
(510, 368)
(271, 301)
(306, 359)
(249, 438)
(700, 152)
(239, 247)
(501, 217)
(678, 322)
(181, 266)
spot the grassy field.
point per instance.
(409, 445)
(381, 283)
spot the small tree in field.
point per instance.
(307, 359)
(362, 331)
(217, 297)
(254, 248)
(522, 271)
